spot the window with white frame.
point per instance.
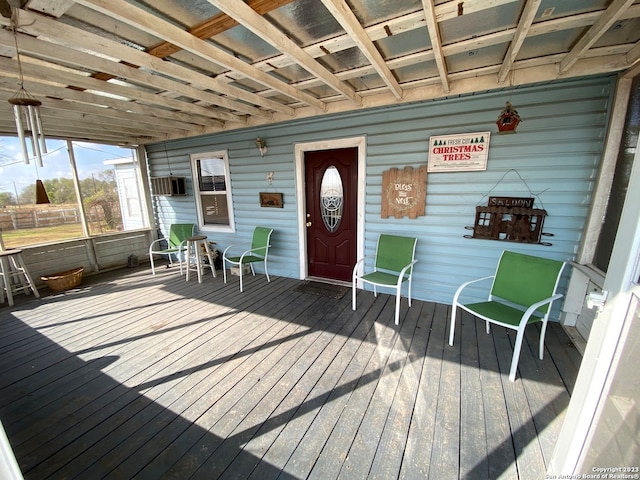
(213, 191)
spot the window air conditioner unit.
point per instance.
(168, 186)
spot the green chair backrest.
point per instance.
(526, 279)
(179, 232)
(395, 252)
(261, 236)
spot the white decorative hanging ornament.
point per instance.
(26, 112)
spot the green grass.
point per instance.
(35, 236)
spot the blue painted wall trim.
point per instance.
(554, 157)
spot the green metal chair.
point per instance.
(176, 244)
(257, 253)
(522, 292)
(394, 261)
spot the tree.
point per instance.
(7, 198)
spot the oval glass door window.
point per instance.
(331, 198)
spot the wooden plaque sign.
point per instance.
(404, 192)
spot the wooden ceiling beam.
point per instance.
(269, 33)
(39, 72)
(215, 25)
(83, 99)
(522, 30)
(38, 25)
(138, 18)
(82, 61)
(610, 15)
(52, 8)
(349, 22)
(436, 42)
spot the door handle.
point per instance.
(308, 224)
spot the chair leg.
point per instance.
(224, 269)
(153, 267)
(353, 293)
(266, 272)
(398, 297)
(241, 268)
(543, 332)
(27, 282)
(516, 354)
(6, 279)
(488, 328)
(409, 291)
(210, 257)
(453, 323)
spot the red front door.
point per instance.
(331, 178)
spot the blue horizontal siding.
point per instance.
(556, 154)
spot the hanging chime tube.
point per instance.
(43, 143)
(17, 113)
(35, 136)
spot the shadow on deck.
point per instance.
(152, 377)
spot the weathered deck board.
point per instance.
(152, 377)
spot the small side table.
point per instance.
(195, 246)
(14, 275)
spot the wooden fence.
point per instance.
(29, 217)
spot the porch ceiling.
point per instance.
(139, 71)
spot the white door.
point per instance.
(600, 428)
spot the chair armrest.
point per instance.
(224, 253)
(153, 243)
(359, 262)
(529, 311)
(267, 247)
(466, 284)
(404, 270)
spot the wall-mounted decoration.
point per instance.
(404, 192)
(508, 119)
(511, 219)
(271, 199)
(459, 152)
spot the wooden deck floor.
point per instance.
(134, 376)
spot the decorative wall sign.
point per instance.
(459, 152)
(271, 199)
(511, 219)
(404, 192)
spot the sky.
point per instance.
(16, 175)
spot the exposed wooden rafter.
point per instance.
(346, 18)
(436, 43)
(115, 69)
(613, 12)
(526, 19)
(145, 21)
(268, 32)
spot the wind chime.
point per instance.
(26, 112)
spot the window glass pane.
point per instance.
(331, 199)
(110, 188)
(211, 180)
(211, 174)
(215, 209)
(24, 223)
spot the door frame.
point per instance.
(360, 143)
(607, 335)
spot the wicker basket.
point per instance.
(59, 282)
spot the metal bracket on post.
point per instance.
(597, 300)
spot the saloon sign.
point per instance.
(459, 152)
